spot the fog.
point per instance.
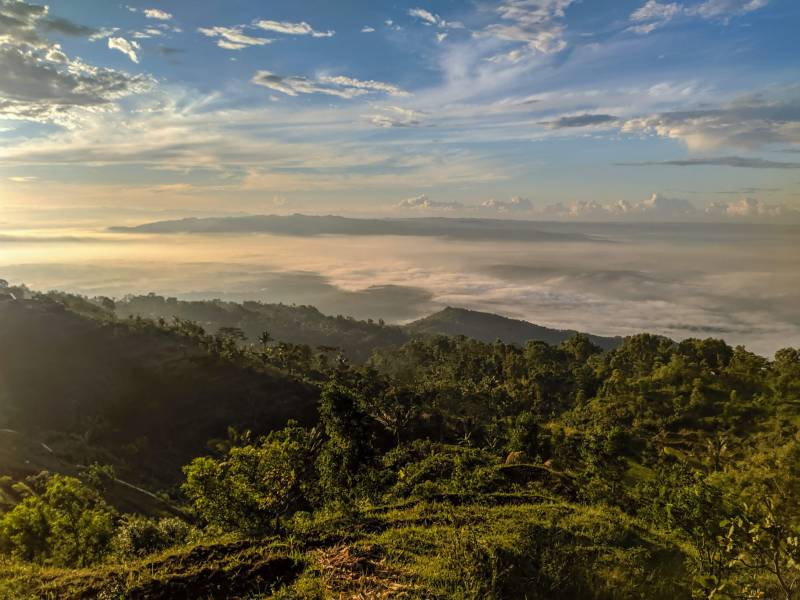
(737, 282)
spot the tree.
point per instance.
(253, 485)
(347, 449)
(69, 524)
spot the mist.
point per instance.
(735, 282)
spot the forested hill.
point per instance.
(488, 327)
(445, 467)
(131, 392)
(357, 339)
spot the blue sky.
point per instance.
(592, 109)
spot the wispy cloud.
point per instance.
(289, 28)
(584, 120)
(423, 202)
(716, 161)
(654, 14)
(233, 38)
(339, 85)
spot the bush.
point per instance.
(138, 536)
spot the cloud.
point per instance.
(424, 203)
(66, 27)
(718, 161)
(124, 46)
(19, 21)
(103, 33)
(22, 179)
(150, 32)
(155, 13)
(653, 14)
(288, 28)
(45, 85)
(233, 38)
(584, 120)
(655, 208)
(341, 86)
(430, 18)
(369, 85)
(748, 122)
(659, 208)
(535, 23)
(516, 204)
(39, 82)
(396, 116)
(367, 29)
(751, 207)
(714, 9)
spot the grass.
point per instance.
(425, 550)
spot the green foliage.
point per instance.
(444, 468)
(253, 485)
(69, 524)
(347, 450)
(138, 536)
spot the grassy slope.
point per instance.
(422, 550)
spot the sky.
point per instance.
(533, 109)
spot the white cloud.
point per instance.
(654, 14)
(396, 116)
(430, 18)
(150, 32)
(233, 38)
(40, 82)
(22, 179)
(369, 85)
(749, 122)
(516, 204)
(341, 86)
(124, 46)
(289, 28)
(713, 9)
(536, 23)
(423, 202)
(155, 13)
(752, 208)
(101, 34)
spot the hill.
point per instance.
(357, 339)
(488, 327)
(446, 467)
(292, 324)
(312, 225)
(143, 397)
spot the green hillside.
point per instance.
(488, 327)
(151, 459)
(144, 397)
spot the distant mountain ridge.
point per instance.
(488, 327)
(311, 225)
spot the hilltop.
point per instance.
(357, 339)
(488, 327)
